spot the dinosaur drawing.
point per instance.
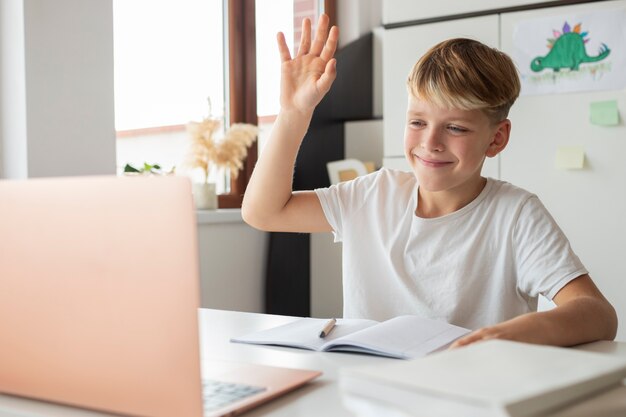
(567, 50)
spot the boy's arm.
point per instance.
(582, 315)
(269, 203)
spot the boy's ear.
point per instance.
(500, 138)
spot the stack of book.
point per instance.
(494, 378)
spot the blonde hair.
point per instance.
(466, 74)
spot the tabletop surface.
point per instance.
(321, 397)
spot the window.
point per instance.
(170, 58)
(168, 63)
(273, 16)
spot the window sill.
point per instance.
(219, 216)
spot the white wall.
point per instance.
(57, 88)
(12, 91)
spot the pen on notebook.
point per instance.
(328, 327)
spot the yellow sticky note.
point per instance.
(604, 113)
(570, 157)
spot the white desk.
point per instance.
(321, 398)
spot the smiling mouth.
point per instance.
(432, 163)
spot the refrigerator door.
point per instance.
(588, 203)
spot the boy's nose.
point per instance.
(431, 141)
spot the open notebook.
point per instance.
(401, 337)
(99, 297)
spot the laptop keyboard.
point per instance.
(218, 394)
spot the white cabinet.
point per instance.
(398, 11)
(589, 204)
(232, 262)
(402, 47)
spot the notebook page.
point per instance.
(403, 337)
(304, 333)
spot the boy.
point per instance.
(441, 242)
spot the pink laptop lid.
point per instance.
(99, 294)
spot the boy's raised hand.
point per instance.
(307, 77)
(269, 202)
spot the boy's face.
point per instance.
(447, 147)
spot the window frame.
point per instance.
(241, 82)
(242, 91)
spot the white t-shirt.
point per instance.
(478, 266)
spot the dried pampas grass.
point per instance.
(229, 152)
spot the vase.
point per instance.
(221, 177)
(204, 196)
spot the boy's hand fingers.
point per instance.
(283, 49)
(331, 44)
(464, 341)
(305, 40)
(320, 35)
(478, 335)
(327, 78)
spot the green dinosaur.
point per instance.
(568, 51)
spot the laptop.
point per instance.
(99, 291)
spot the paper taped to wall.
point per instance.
(570, 157)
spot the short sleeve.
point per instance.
(545, 261)
(329, 200)
(340, 200)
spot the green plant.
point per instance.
(145, 169)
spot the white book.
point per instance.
(402, 337)
(488, 379)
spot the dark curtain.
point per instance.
(288, 274)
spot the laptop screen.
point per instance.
(99, 294)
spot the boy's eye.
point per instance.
(457, 129)
(416, 123)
